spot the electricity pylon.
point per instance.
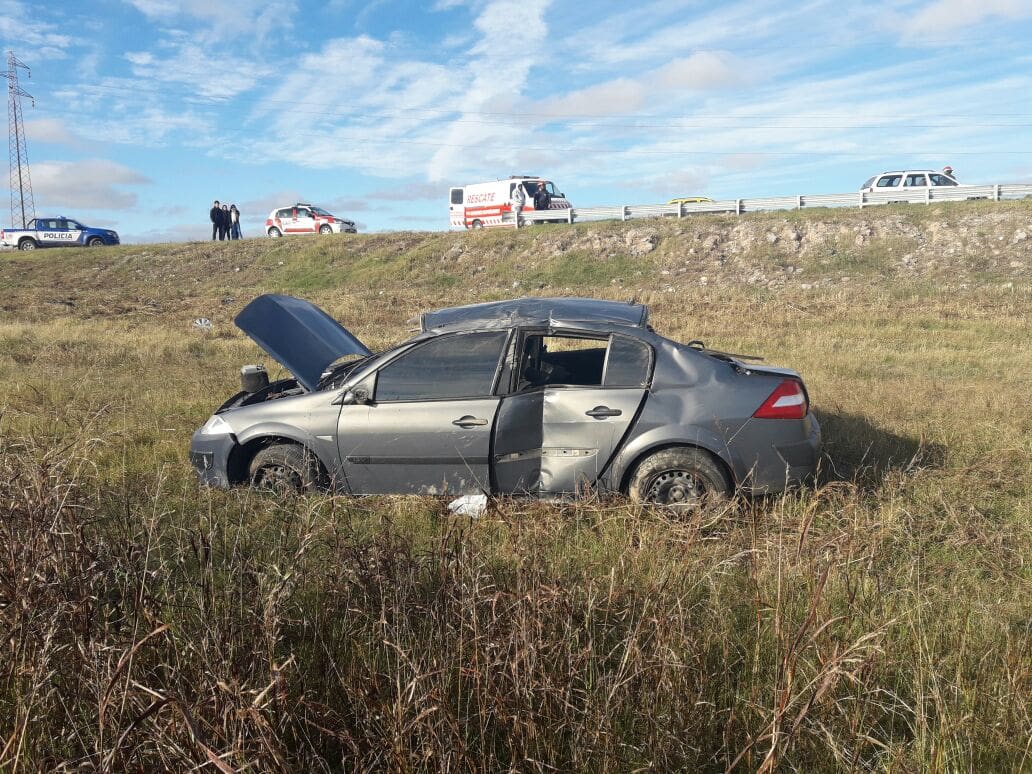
(23, 209)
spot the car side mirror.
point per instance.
(356, 396)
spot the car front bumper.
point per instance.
(209, 456)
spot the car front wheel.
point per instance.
(285, 467)
(682, 480)
(94, 242)
(324, 229)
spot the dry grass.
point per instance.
(880, 622)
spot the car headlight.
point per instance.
(216, 425)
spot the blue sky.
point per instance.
(146, 110)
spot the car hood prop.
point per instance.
(298, 335)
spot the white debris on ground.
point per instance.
(203, 324)
(469, 505)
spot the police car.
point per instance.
(303, 218)
(56, 232)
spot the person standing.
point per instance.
(542, 199)
(518, 199)
(215, 214)
(234, 222)
(224, 223)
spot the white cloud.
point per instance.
(944, 16)
(21, 29)
(193, 64)
(52, 131)
(95, 184)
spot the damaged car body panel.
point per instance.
(541, 397)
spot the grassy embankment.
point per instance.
(880, 622)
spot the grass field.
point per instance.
(882, 621)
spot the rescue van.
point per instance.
(486, 205)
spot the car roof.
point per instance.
(910, 172)
(537, 312)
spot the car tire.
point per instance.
(476, 224)
(27, 244)
(275, 232)
(324, 229)
(682, 480)
(285, 468)
(94, 242)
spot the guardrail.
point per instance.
(738, 206)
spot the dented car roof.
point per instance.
(543, 312)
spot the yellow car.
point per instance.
(690, 200)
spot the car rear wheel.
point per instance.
(477, 224)
(275, 232)
(285, 467)
(324, 229)
(94, 242)
(682, 480)
(27, 244)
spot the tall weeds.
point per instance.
(148, 625)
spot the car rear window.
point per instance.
(628, 363)
(916, 181)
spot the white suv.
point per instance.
(306, 219)
(915, 178)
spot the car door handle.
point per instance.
(469, 421)
(601, 412)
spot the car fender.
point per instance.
(670, 435)
(324, 450)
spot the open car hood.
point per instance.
(298, 335)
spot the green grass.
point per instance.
(879, 622)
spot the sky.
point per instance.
(147, 110)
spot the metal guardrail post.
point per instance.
(996, 192)
(928, 196)
(799, 202)
(569, 215)
(623, 212)
(680, 209)
(862, 197)
(738, 206)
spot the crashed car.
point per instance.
(548, 397)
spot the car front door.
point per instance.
(427, 427)
(304, 221)
(573, 400)
(74, 230)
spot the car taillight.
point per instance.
(788, 401)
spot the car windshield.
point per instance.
(321, 211)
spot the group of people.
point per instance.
(225, 221)
(541, 198)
